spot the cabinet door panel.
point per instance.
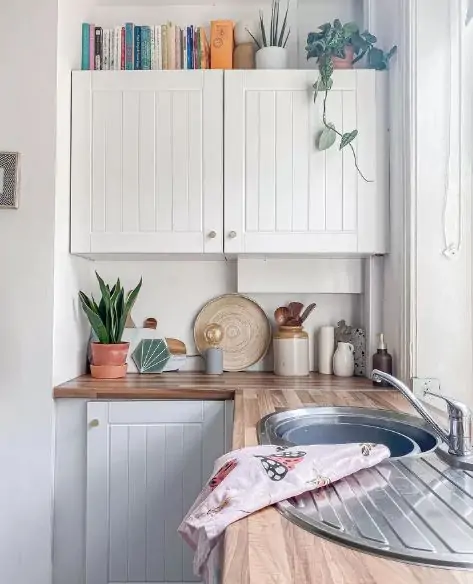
(153, 182)
(283, 195)
(143, 474)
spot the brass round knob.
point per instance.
(94, 423)
(212, 234)
(232, 234)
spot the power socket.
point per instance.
(422, 384)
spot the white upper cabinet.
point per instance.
(283, 195)
(147, 162)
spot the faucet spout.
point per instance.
(459, 438)
(414, 401)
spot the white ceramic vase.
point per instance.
(344, 360)
(272, 58)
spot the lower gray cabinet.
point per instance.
(144, 463)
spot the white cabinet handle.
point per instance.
(232, 234)
(212, 234)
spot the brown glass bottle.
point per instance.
(382, 361)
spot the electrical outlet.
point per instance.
(422, 384)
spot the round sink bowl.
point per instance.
(404, 435)
(347, 433)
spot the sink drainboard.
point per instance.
(416, 508)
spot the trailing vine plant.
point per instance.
(339, 41)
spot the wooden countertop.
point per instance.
(265, 548)
(197, 385)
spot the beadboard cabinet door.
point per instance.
(146, 464)
(283, 195)
(147, 162)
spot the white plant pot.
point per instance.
(272, 58)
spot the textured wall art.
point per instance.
(9, 179)
(357, 337)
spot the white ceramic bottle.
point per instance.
(326, 349)
(344, 360)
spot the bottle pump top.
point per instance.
(382, 344)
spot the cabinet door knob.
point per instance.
(212, 234)
(94, 423)
(232, 234)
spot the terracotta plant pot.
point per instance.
(347, 62)
(109, 354)
(108, 371)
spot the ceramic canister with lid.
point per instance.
(291, 352)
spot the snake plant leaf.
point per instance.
(327, 138)
(132, 296)
(348, 139)
(283, 29)
(95, 320)
(105, 291)
(263, 29)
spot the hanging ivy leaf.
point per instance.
(348, 139)
(327, 138)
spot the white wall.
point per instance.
(70, 273)
(442, 287)
(174, 292)
(27, 125)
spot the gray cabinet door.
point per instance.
(146, 463)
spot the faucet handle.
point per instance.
(456, 409)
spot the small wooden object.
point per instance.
(221, 44)
(244, 56)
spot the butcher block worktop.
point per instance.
(265, 548)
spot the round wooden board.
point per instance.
(246, 328)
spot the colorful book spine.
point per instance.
(92, 47)
(106, 49)
(98, 47)
(112, 49)
(158, 47)
(171, 46)
(129, 45)
(205, 50)
(178, 48)
(118, 47)
(185, 62)
(196, 47)
(164, 45)
(85, 64)
(189, 47)
(137, 48)
(146, 48)
(152, 47)
(123, 49)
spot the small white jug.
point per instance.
(344, 360)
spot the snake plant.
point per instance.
(109, 316)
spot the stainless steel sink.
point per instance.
(413, 507)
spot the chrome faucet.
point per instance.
(458, 439)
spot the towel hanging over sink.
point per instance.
(250, 479)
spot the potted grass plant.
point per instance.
(272, 51)
(108, 319)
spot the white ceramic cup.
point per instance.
(272, 58)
